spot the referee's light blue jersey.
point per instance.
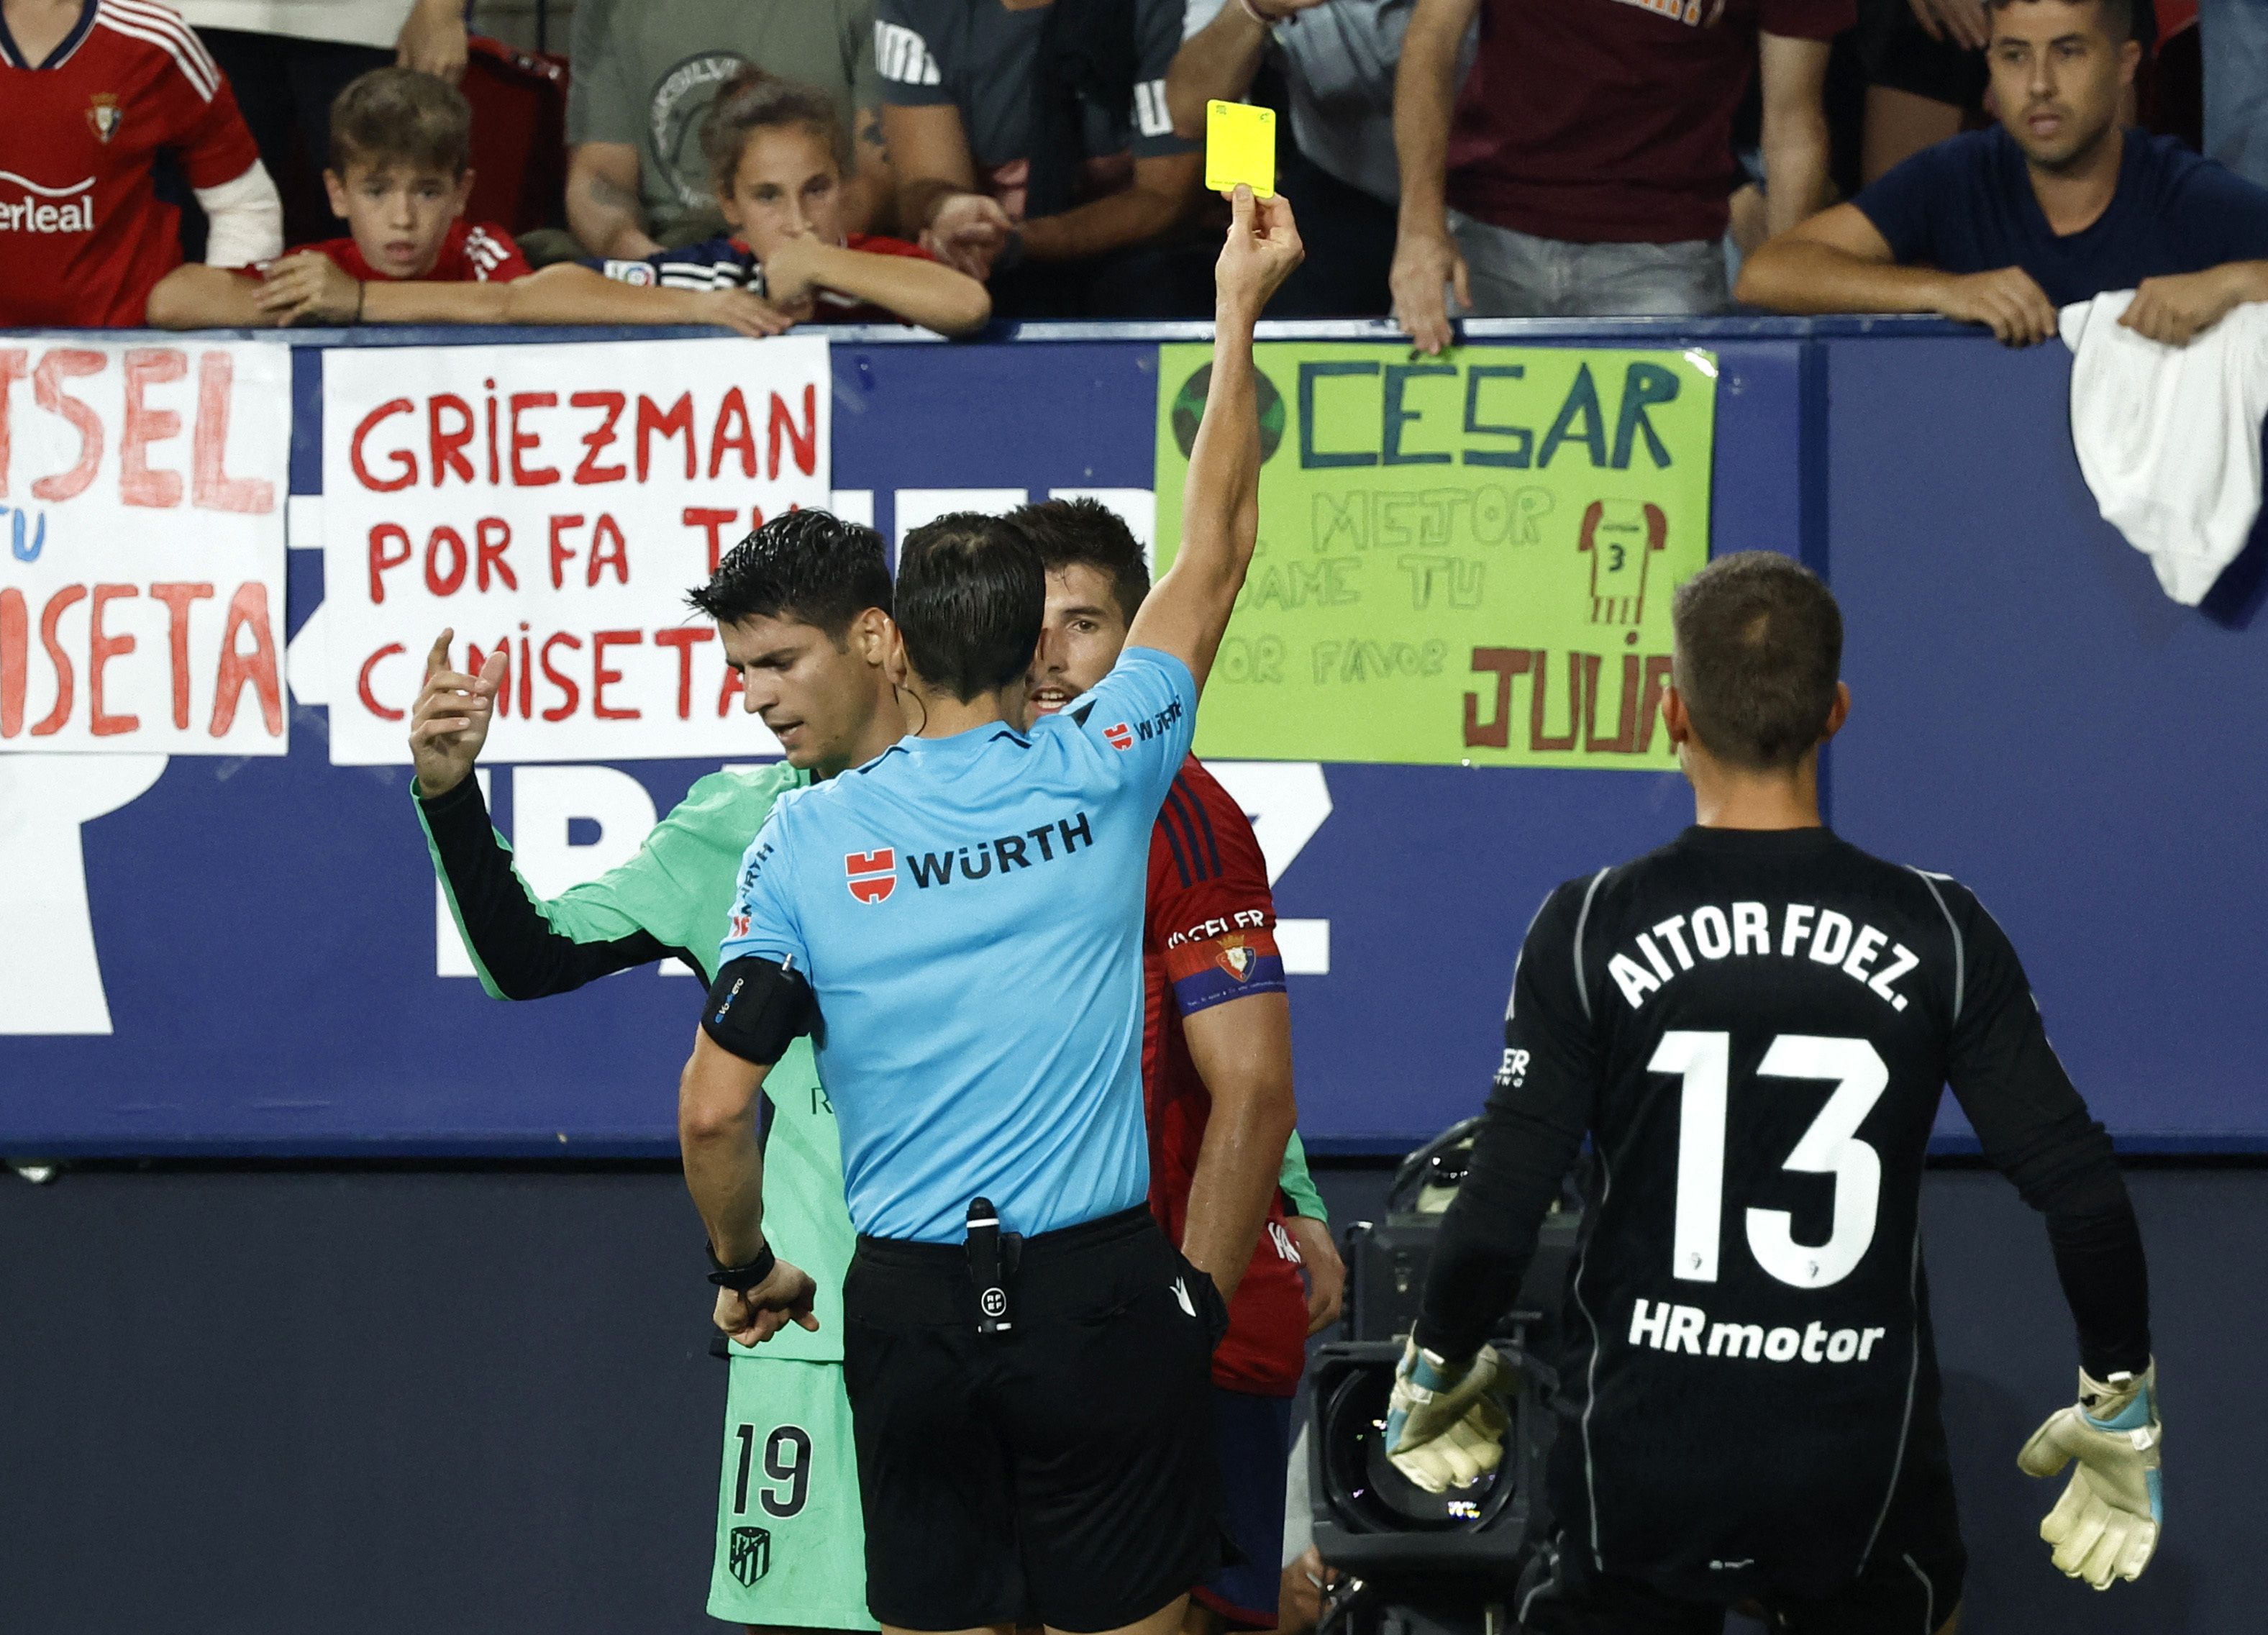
(968, 910)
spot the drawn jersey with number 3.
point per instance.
(1755, 1029)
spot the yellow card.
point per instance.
(1240, 146)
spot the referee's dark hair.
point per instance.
(1759, 648)
(971, 595)
(1085, 533)
(809, 566)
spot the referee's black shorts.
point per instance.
(1063, 1473)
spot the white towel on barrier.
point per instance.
(2169, 437)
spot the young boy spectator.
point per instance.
(288, 60)
(405, 137)
(776, 162)
(1337, 66)
(645, 73)
(2056, 203)
(1591, 163)
(1067, 204)
(93, 90)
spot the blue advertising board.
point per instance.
(2033, 718)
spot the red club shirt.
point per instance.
(1610, 122)
(1209, 938)
(83, 237)
(478, 254)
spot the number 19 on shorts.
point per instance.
(785, 1470)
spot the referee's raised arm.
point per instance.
(1220, 502)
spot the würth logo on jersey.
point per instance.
(1121, 736)
(872, 875)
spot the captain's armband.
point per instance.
(758, 1007)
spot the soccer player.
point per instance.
(1216, 1022)
(401, 144)
(93, 90)
(1027, 1356)
(802, 607)
(1754, 1025)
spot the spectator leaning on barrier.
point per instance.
(403, 140)
(645, 73)
(1338, 63)
(2056, 203)
(92, 92)
(1590, 163)
(774, 154)
(1034, 150)
(289, 60)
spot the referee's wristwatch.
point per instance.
(744, 1277)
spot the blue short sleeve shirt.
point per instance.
(1967, 205)
(968, 911)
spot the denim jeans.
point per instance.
(2233, 35)
(1516, 275)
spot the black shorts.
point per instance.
(1062, 1473)
(1911, 1584)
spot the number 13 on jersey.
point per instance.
(1831, 1146)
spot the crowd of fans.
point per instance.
(761, 162)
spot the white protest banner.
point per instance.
(141, 546)
(556, 502)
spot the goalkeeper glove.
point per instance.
(1444, 1428)
(2106, 1524)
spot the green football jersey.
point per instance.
(671, 898)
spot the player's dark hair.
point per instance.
(754, 100)
(1759, 647)
(401, 115)
(809, 566)
(1087, 533)
(2117, 15)
(970, 596)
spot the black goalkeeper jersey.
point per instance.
(1754, 1028)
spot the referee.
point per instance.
(1755, 1025)
(957, 925)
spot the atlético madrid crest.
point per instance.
(872, 875)
(104, 115)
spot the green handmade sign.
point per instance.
(1466, 559)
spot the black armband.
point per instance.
(758, 1007)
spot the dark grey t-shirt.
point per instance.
(646, 71)
(979, 56)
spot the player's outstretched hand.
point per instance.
(1262, 249)
(450, 721)
(2106, 1524)
(1444, 1426)
(781, 1299)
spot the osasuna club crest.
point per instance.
(104, 115)
(751, 1555)
(872, 875)
(1236, 959)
